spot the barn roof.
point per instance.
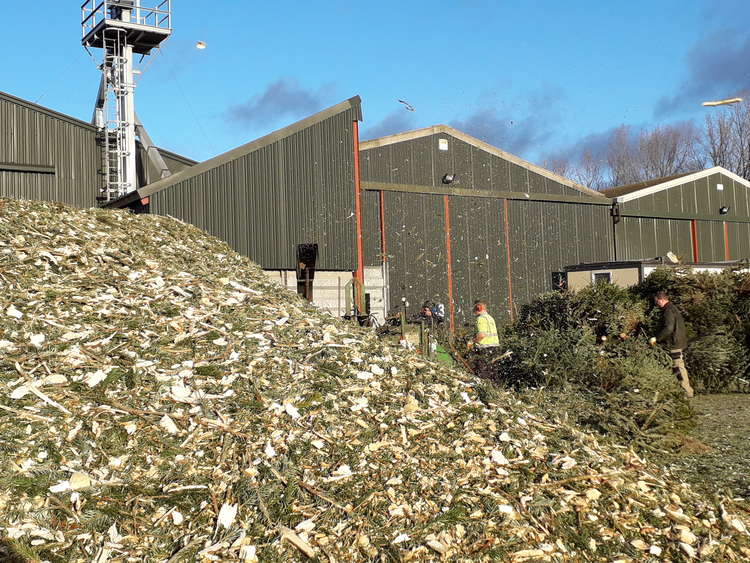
(45, 110)
(634, 191)
(238, 152)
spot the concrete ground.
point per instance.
(715, 458)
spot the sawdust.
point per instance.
(161, 401)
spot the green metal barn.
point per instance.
(46, 155)
(701, 217)
(295, 185)
(461, 220)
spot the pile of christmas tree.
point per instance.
(716, 307)
(589, 351)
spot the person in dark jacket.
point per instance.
(672, 337)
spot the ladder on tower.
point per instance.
(114, 130)
(123, 28)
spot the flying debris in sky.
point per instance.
(200, 45)
(722, 102)
(407, 105)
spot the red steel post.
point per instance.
(449, 256)
(508, 257)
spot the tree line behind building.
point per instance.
(627, 155)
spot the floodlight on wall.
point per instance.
(448, 178)
(723, 210)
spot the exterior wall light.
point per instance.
(448, 178)
(723, 210)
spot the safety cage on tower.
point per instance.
(146, 24)
(123, 29)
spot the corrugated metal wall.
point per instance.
(479, 255)
(26, 185)
(503, 263)
(415, 247)
(37, 137)
(298, 189)
(655, 224)
(644, 237)
(421, 162)
(739, 240)
(542, 238)
(700, 196)
(371, 228)
(710, 241)
(547, 236)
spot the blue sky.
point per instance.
(533, 78)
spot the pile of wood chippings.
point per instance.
(161, 401)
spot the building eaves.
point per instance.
(671, 182)
(437, 129)
(658, 261)
(630, 188)
(614, 264)
(196, 170)
(81, 123)
(175, 156)
(45, 110)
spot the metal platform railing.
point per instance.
(154, 13)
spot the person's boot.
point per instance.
(685, 382)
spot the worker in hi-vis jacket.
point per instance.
(485, 341)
